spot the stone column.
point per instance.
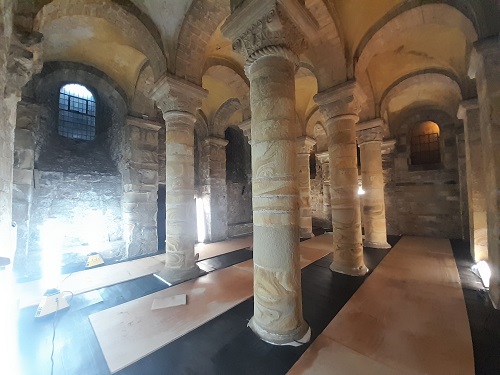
(28, 117)
(140, 187)
(488, 90)
(341, 105)
(324, 160)
(469, 113)
(304, 146)
(178, 101)
(370, 135)
(214, 191)
(270, 41)
(20, 58)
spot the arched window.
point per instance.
(76, 112)
(425, 144)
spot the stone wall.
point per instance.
(79, 212)
(419, 200)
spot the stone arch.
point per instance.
(222, 118)
(109, 94)
(433, 81)
(442, 15)
(200, 22)
(314, 117)
(138, 33)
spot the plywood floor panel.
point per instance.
(131, 331)
(30, 293)
(409, 315)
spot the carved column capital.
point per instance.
(246, 128)
(323, 157)
(388, 146)
(343, 100)
(216, 141)
(370, 135)
(261, 28)
(174, 94)
(305, 144)
(465, 106)
(143, 123)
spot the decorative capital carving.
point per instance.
(323, 157)
(216, 141)
(269, 27)
(388, 146)
(174, 94)
(246, 128)
(305, 145)
(369, 135)
(465, 106)
(342, 100)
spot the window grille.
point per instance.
(77, 111)
(425, 149)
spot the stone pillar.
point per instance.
(488, 90)
(304, 147)
(28, 117)
(370, 137)
(462, 176)
(324, 160)
(178, 101)
(469, 113)
(20, 58)
(140, 187)
(214, 191)
(270, 41)
(341, 105)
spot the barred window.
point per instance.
(77, 110)
(425, 147)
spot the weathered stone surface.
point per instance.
(469, 113)
(214, 190)
(304, 147)
(370, 144)
(488, 90)
(140, 186)
(340, 105)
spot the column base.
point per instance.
(358, 271)
(176, 276)
(377, 245)
(299, 336)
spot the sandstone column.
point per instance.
(215, 188)
(341, 105)
(270, 40)
(324, 160)
(178, 101)
(488, 89)
(370, 144)
(469, 113)
(140, 187)
(304, 146)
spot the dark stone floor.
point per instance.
(225, 345)
(222, 346)
(484, 320)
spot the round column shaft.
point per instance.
(180, 262)
(370, 143)
(346, 215)
(277, 289)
